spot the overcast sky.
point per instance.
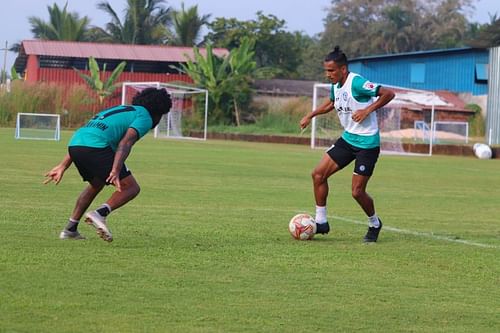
(303, 15)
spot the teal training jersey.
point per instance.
(356, 93)
(108, 127)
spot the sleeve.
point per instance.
(363, 87)
(332, 93)
(142, 123)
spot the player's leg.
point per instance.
(363, 170)
(359, 193)
(83, 202)
(129, 190)
(336, 158)
(87, 164)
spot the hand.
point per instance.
(304, 122)
(115, 180)
(55, 174)
(360, 115)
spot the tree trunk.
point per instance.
(236, 113)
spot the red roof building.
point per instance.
(54, 61)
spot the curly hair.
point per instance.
(156, 101)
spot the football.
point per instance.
(482, 151)
(302, 227)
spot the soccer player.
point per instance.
(99, 150)
(355, 100)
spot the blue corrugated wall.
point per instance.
(453, 70)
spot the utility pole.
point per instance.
(4, 73)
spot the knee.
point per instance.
(136, 190)
(318, 177)
(357, 192)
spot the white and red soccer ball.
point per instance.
(302, 227)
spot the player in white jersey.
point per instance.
(355, 99)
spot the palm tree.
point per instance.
(145, 22)
(62, 25)
(187, 25)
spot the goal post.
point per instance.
(405, 124)
(188, 117)
(38, 126)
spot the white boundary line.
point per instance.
(420, 234)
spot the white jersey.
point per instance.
(356, 93)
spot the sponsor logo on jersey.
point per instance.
(369, 85)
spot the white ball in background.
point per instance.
(482, 151)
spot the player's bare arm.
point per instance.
(326, 107)
(122, 152)
(384, 96)
(57, 172)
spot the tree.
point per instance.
(102, 89)
(274, 46)
(62, 25)
(368, 27)
(227, 79)
(487, 35)
(145, 22)
(187, 25)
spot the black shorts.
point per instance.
(95, 162)
(343, 153)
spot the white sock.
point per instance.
(373, 221)
(321, 215)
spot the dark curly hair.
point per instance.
(337, 55)
(156, 101)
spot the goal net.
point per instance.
(405, 124)
(38, 126)
(188, 116)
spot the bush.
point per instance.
(477, 122)
(73, 104)
(271, 116)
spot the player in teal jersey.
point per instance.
(99, 150)
(355, 99)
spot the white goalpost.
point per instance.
(38, 126)
(406, 124)
(188, 117)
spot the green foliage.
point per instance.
(486, 35)
(391, 26)
(477, 124)
(227, 79)
(205, 247)
(62, 25)
(105, 88)
(71, 103)
(187, 25)
(13, 74)
(145, 22)
(274, 47)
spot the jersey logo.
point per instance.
(369, 85)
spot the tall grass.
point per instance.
(72, 103)
(273, 116)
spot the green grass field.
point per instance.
(205, 246)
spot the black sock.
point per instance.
(103, 211)
(72, 225)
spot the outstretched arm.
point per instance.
(122, 152)
(326, 107)
(57, 172)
